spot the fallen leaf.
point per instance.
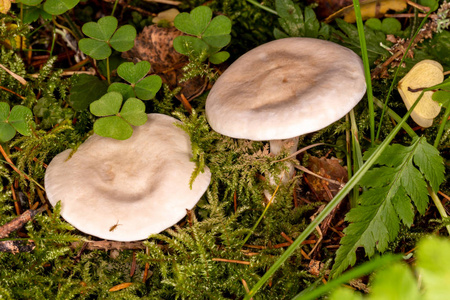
(369, 9)
(120, 286)
(155, 45)
(424, 74)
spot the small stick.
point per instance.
(108, 245)
(17, 77)
(18, 222)
(133, 264)
(186, 103)
(232, 261)
(244, 283)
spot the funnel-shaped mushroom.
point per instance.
(127, 190)
(284, 89)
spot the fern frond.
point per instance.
(397, 182)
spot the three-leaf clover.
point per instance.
(53, 7)
(116, 122)
(208, 35)
(14, 120)
(141, 87)
(103, 35)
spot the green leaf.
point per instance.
(125, 89)
(133, 72)
(373, 23)
(433, 264)
(4, 111)
(133, 111)
(94, 48)
(57, 7)
(219, 57)
(84, 90)
(19, 118)
(195, 22)
(312, 25)
(101, 30)
(7, 132)
(430, 163)
(392, 186)
(189, 45)
(217, 34)
(30, 2)
(391, 26)
(113, 127)
(148, 87)
(107, 105)
(442, 97)
(440, 46)
(291, 18)
(123, 39)
(393, 283)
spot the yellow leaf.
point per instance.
(369, 9)
(120, 286)
(5, 5)
(12, 44)
(424, 74)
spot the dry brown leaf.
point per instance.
(155, 45)
(369, 9)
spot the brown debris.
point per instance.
(18, 222)
(15, 247)
(155, 45)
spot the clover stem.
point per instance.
(107, 71)
(114, 7)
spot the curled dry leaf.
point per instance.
(424, 74)
(155, 45)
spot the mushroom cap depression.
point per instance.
(286, 88)
(140, 184)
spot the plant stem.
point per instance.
(114, 7)
(357, 156)
(365, 58)
(439, 205)
(442, 127)
(255, 3)
(108, 76)
(333, 203)
(397, 70)
(397, 118)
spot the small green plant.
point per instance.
(295, 23)
(400, 178)
(206, 36)
(15, 120)
(103, 35)
(53, 7)
(116, 121)
(139, 86)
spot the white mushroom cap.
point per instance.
(141, 184)
(286, 88)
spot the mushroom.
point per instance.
(127, 190)
(424, 74)
(284, 89)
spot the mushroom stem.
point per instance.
(276, 146)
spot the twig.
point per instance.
(17, 77)
(232, 261)
(170, 2)
(19, 222)
(108, 245)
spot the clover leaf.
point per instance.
(208, 35)
(116, 122)
(53, 7)
(15, 120)
(140, 87)
(103, 35)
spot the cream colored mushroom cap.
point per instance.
(141, 184)
(286, 88)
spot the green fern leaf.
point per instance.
(393, 186)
